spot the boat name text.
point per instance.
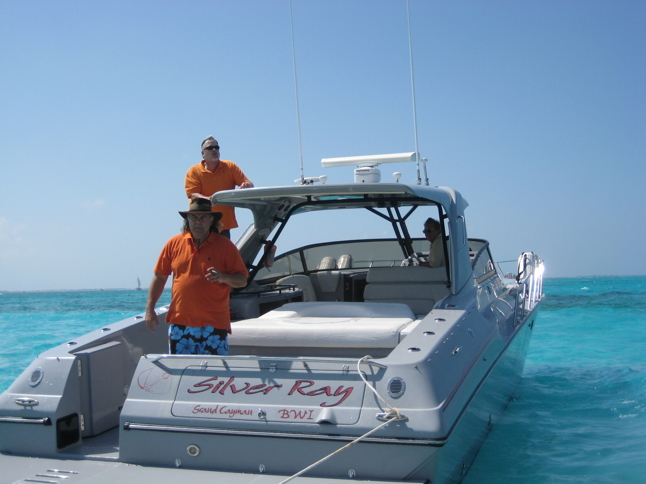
(300, 387)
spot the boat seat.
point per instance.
(327, 280)
(345, 262)
(303, 283)
(326, 309)
(327, 263)
(418, 287)
(325, 325)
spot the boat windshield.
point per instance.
(314, 238)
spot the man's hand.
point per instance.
(233, 280)
(212, 275)
(154, 293)
(151, 320)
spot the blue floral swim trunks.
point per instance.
(206, 340)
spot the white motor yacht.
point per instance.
(344, 365)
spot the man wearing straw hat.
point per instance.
(205, 266)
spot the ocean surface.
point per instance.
(579, 413)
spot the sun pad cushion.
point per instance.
(328, 332)
(330, 309)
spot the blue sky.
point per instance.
(534, 110)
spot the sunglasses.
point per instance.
(215, 147)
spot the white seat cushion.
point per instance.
(322, 332)
(328, 280)
(334, 309)
(406, 274)
(419, 287)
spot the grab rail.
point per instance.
(24, 420)
(530, 283)
(304, 360)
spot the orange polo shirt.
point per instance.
(227, 176)
(196, 301)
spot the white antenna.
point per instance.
(412, 81)
(298, 110)
(370, 160)
(367, 171)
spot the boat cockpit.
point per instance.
(340, 296)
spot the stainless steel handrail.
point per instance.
(24, 420)
(530, 281)
(156, 359)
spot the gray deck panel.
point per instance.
(25, 470)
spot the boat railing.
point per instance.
(530, 283)
(157, 360)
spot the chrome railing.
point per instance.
(530, 283)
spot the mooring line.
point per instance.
(391, 415)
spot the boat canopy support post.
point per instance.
(442, 217)
(399, 227)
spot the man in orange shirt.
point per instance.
(205, 266)
(212, 175)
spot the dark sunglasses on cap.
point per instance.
(214, 147)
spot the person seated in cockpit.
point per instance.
(436, 256)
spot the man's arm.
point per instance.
(154, 293)
(193, 184)
(233, 280)
(239, 178)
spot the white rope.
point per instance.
(368, 357)
(396, 415)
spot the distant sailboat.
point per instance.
(138, 288)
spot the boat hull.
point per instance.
(485, 409)
(401, 455)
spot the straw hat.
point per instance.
(201, 205)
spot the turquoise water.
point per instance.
(32, 322)
(579, 413)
